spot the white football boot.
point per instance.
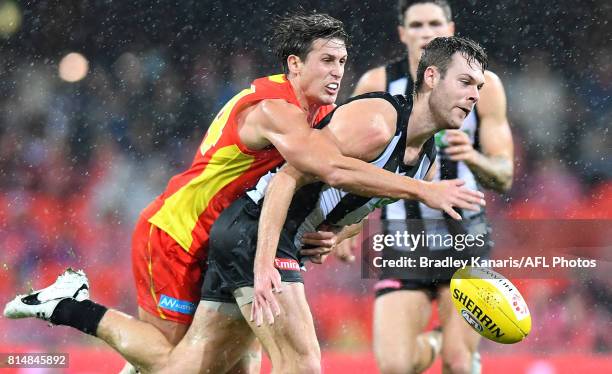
(41, 304)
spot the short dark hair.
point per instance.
(439, 53)
(403, 5)
(295, 33)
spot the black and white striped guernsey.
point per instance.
(319, 204)
(399, 81)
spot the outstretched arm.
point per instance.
(279, 194)
(311, 152)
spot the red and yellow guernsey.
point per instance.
(223, 170)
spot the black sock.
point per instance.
(82, 315)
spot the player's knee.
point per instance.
(397, 367)
(457, 361)
(249, 363)
(395, 363)
(305, 360)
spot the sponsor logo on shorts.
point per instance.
(176, 305)
(469, 318)
(387, 283)
(286, 264)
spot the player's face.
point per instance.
(322, 71)
(422, 24)
(454, 96)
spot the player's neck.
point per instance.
(421, 124)
(311, 109)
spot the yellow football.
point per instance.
(490, 304)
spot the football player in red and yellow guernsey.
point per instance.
(171, 237)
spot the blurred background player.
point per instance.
(481, 154)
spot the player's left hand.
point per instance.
(460, 147)
(344, 250)
(323, 242)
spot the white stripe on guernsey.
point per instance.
(463, 172)
(330, 197)
(398, 86)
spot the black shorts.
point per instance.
(429, 278)
(231, 256)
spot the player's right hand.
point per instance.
(322, 242)
(446, 194)
(267, 280)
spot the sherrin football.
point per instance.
(490, 304)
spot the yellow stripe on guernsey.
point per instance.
(180, 212)
(278, 78)
(215, 130)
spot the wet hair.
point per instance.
(439, 53)
(295, 33)
(403, 5)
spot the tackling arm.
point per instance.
(279, 194)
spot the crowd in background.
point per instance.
(78, 161)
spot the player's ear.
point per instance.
(451, 28)
(293, 63)
(431, 76)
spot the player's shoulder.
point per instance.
(375, 114)
(493, 89)
(273, 93)
(372, 80)
(273, 107)
(491, 77)
(492, 102)
(275, 86)
(376, 73)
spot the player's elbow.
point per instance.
(336, 178)
(506, 183)
(333, 173)
(501, 184)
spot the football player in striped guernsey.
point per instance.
(256, 247)
(479, 153)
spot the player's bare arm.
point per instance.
(267, 279)
(312, 152)
(373, 80)
(377, 130)
(308, 150)
(493, 166)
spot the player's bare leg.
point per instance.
(173, 331)
(215, 342)
(459, 342)
(66, 302)
(399, 345)
(291, 342)
(218, 341)
(249, 362)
